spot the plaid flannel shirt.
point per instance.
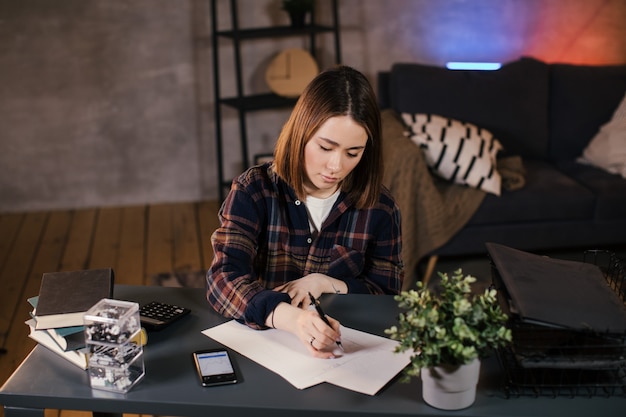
(265, 241)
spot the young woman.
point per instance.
(315, 220)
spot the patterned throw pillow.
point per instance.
(457, 151)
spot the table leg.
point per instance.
(23, 412)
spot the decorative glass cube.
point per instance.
(112, 328)
(108, 372)
(111, 322)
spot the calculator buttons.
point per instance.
(156, 315)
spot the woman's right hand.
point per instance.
(308, 326)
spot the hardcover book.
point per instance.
(64, 297)
(68, 338)
(79, 357)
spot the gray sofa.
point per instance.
(546, 114)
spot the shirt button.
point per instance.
(309, 240)
(297, 202)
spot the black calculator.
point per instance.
(157, 315)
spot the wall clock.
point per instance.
(290, 72)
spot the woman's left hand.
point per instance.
(299, 290)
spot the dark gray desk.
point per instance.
(170, 387)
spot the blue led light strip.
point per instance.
(484, 66)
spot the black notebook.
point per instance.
(556, 292)
(64, 297)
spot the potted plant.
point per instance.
(297, 10)
(448, 331)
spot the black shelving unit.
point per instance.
(241, 102)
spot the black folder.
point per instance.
(556, 292)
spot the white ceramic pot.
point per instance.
(450, 387)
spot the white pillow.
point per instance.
(457, 151)
(607, 150)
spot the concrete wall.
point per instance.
(110, 102)
(97, 103)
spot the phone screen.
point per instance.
(214, 367)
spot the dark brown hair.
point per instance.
(339, 91)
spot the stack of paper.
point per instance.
(366, 365)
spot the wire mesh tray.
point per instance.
(607, 380)
(554, 361)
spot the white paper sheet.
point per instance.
(367, 364)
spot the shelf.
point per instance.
(259, 102)
(235, 36)
(274, 32)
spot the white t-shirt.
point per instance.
(319, 209)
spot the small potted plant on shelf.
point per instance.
(448, 332)
(298, 9)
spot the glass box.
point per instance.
(112, 328)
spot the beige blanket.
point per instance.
(432, 209)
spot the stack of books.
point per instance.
(57, 317)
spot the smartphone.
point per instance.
(215, 367)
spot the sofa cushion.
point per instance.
(609, 189)
(460, 152)
(607, 150)
(582, 98)
(511, 102)
(548, 195)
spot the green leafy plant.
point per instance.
(451, 327)
(298, 6)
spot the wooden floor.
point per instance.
(137, 242)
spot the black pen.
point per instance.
(319, 310)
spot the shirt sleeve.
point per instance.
(233, 289)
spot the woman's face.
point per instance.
(331, 154)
